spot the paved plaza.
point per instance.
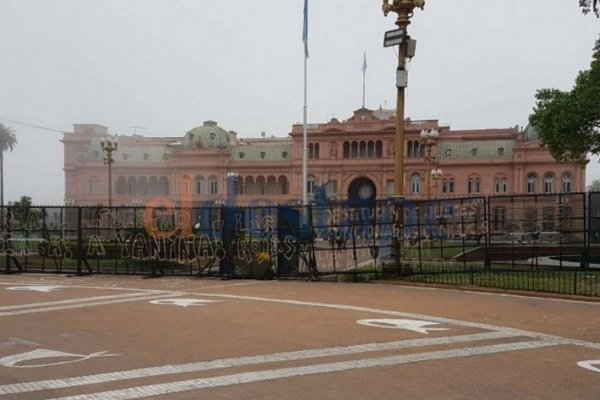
(107, 337)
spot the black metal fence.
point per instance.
(532, 242)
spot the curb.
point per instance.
(479, 289)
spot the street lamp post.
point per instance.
(109, 145)
(404, 9)
(429, 139)
(436, 174)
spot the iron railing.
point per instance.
(529, 242)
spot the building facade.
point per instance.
(351, 159)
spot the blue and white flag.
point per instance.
(305, 29)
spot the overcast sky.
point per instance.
(169, 65)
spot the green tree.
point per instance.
(568, 122)
(24, 202)
(29, 218)
(594, 186)
(588, 6)
(8, 141)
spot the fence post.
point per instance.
(7, 237)
(487, 217)
(79, 239)
(471, 275)
(585, 262)
(10, 258)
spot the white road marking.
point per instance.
(183, 302)
(440, 320)
(71, 301)
(87, 304)
(405, 324)
(67, 283)
(258, 376)
(37, 288)
(243, 361)
(44, 354)
(230, 285)
(591, 365)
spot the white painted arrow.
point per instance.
(43, 354)
(183, 302)
(405, 324)
(37, 288)
(591, 365)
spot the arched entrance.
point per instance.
(362, 189)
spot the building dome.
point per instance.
(209, 135)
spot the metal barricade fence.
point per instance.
(431, 240)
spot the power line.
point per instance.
(16, 121)
(490, 108)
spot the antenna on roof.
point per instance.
(135, 128)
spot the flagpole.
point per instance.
(304, 128)
(363, 103)
(364, 71)
(305, 139)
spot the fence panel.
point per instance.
(503, 241)
(525, 228)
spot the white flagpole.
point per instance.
(305, 141)
(304, 129)
(364, 70)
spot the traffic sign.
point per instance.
(393, 38)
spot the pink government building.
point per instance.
(352, 159)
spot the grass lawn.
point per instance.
(585, 283)
(433, 250)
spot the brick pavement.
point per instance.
(106, 337)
